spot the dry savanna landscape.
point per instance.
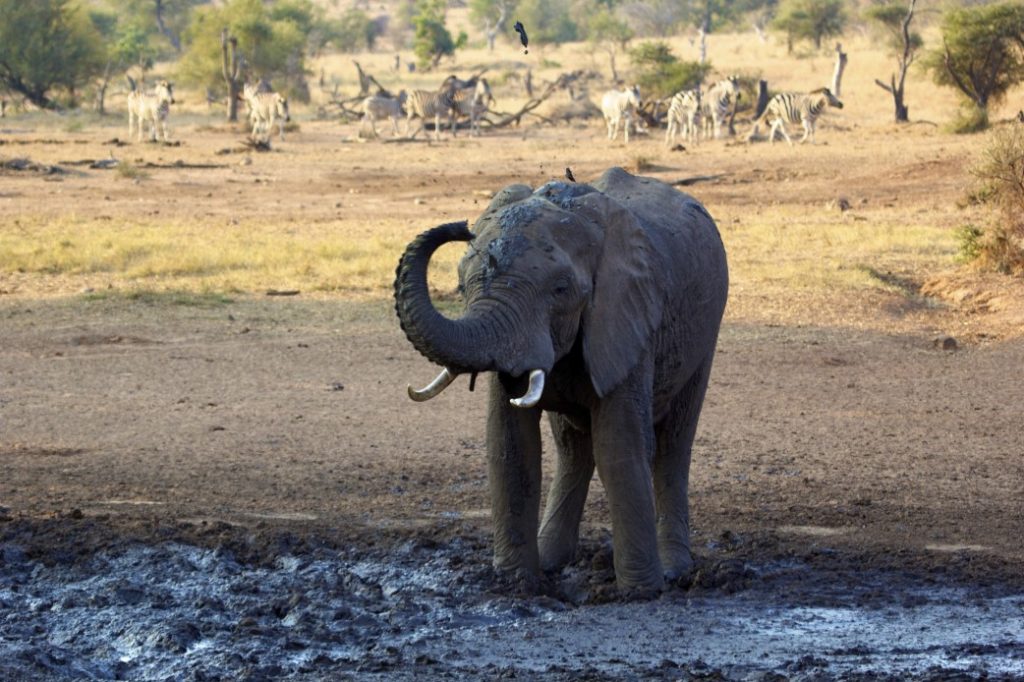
(210, 469)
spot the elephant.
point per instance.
(601, 305)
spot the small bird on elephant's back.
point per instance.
(599, 304)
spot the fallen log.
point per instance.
(694, 179)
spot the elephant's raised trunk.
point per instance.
(467, 344)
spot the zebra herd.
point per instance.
(691, 113)
(455, 99)
(688, 109)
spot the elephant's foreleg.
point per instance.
(623, 433)
(672, 475)
(560, 530)
(513, 449)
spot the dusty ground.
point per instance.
(844, 462)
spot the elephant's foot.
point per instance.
(639, 581)
(678, 564)
(518, 580)
(556, 551)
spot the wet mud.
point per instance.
(422, 608)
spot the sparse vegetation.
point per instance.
(1000, 177)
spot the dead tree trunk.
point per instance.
(492, 30)
(101, 89)
(364, 80)
(762, 99)
(837, 74)
(896, 83)
(231, 67)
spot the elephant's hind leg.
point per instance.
(675, 436)
(560, 530)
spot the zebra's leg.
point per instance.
(280, 129)
(625, 133)
(394, 126)
(808, 132)
(782, 129)
(129, 124)
(163, 127)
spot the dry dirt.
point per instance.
(845, 463)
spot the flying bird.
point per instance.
(522, 36)
(568, 174)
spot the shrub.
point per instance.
(1000, 179)
(969, 119)
(660, 74)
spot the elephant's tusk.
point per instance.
(443, 381)
(534, 392)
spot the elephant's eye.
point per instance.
(562, 286)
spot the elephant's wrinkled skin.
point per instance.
(616, 292)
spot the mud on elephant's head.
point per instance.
(544, 270)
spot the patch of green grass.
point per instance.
(130, 171)
(177, 297)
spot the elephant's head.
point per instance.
(545, 270)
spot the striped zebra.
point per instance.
(150, 106)
(617, 105)
(795, 107)
(379, 107)
(473, 102)
(684, 116)
(718, 104)
(265, 108)
(426, 104)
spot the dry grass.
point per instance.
(245, 257)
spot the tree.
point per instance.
(492, 16)
(125, 45)
(661, 74)
(167, 18)
(354, 32)
(47, 45)
(896, 22)
(982, 55)
(432, 40)
(812, 20)
(257, 46)
(608, 33)
(547, 21)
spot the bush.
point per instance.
(660, 74)
(1000, 180)
(969, 119)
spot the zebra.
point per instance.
(152, 106)
(795, 107)
(718, 105)
(430, 104)
(473, 101)
(264, 109)
(684, 115)
(617, 105)
(380, 106)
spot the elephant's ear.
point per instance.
(628, 297)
